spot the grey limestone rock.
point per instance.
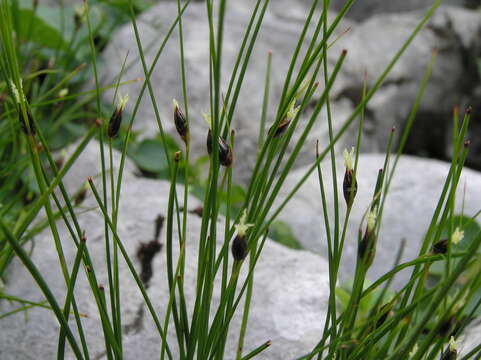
(363, 9)
(453, 33)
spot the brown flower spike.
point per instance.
(285, 122)
(181, 123)
(239, 245)
(367, 245)
(225, 152)
(349, 185)
(116, 118)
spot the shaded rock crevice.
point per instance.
(147, 251)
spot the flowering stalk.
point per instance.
(441, 247)
(226, 156)
(181, 123)
(349, 185)
(239, 245)
(116, 118)
(80, 16)
(367, 245)
(451, 352)
(284, 124)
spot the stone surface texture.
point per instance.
(361, 10)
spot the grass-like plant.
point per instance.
(420, 321)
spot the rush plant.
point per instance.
(419, 321)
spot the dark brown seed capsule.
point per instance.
(441, 247)
(209, 142)
(367, 248)
(349, 187)
(449, 354)
(59, 162)
(181, 123)
(114, 123)
(79, 18)
(386, 311)
(447, 328)
(23, 123)
(225, 152)
(281, 129)
(80, 197)
(239, 248)
(77, 21)
(177, 156)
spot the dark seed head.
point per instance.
(77, 21)
(449, 355)
(292, 112)
(59, 161)
(225, 151)
(116, 118)
(239, 248)
(177, 156)
(349, 187)
(114, 123)
(441, 247)
(80, 196)
(181, 123)
(30, 122)
(367, 248)
(386, 311)
(448, 326)
(281, 129)
(209, 142)
(367, 245)
(80, 16)
(451, 352)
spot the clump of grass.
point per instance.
(419, 321)
(45, 68)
